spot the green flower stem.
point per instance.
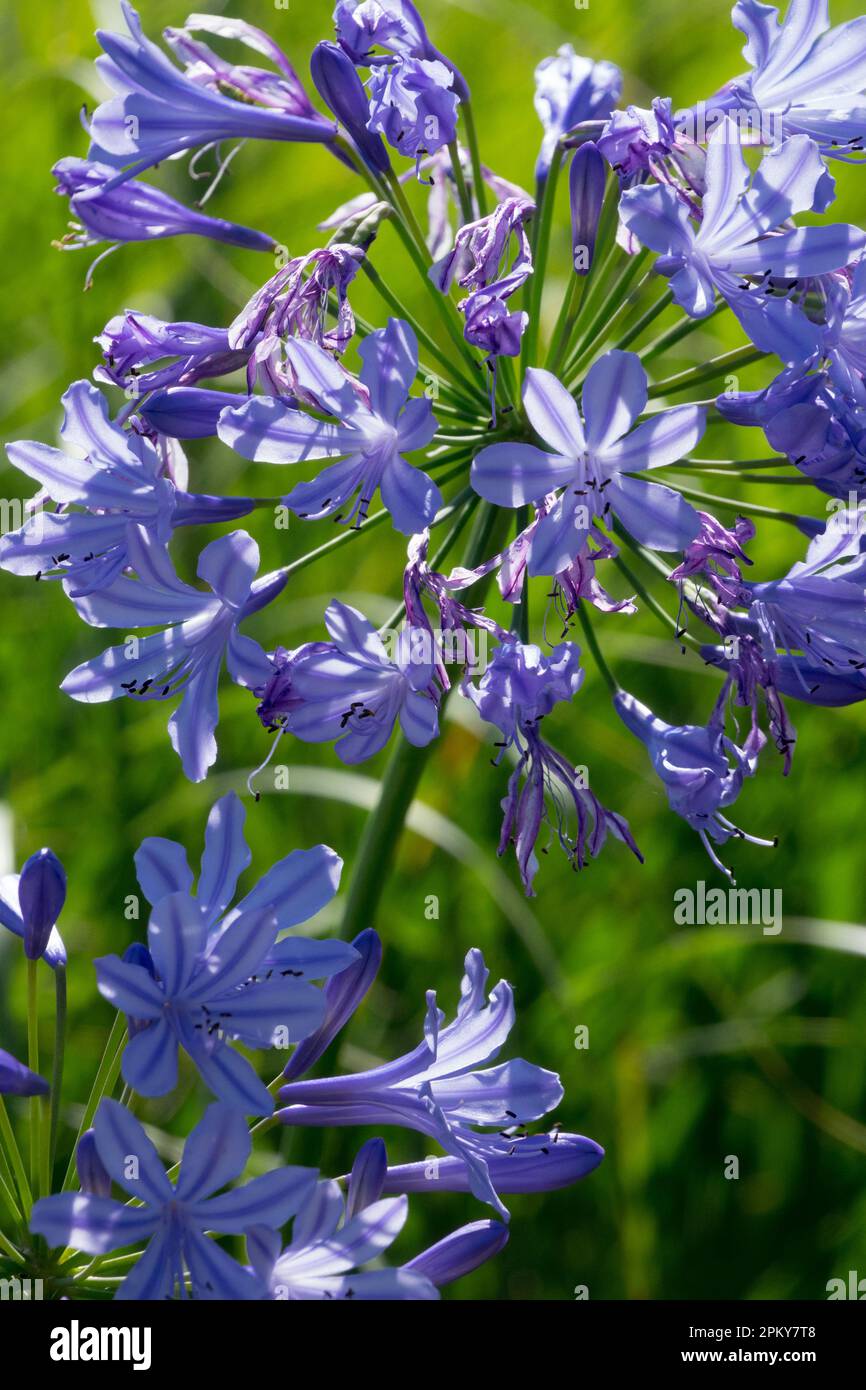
(103, 1084)
(733, 505)
(57, 1070)
(478, 186)
(398, 308)
(644, 321)
(676, 333)
(33, 1063)
(616, 302)
(403, 773)
(9, 1249)
(15, 1159)
(568, 316)
(709, 371)
(7, 1189)
(653, 604)
(460, 182)
(592, 642)
(541, 246)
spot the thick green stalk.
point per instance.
(541, 246)
(15, 1159)
(478, 187)
(59, 1053)
(675, 334)
(718, 366)
(592, 642)
(103, 1084)
(402, 776)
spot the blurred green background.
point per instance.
(704, 1043)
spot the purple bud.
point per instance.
(343, 993)
(41, 895)
(138, 954)
(92, 1174)
(586, 179)
(367, 1177)
(460, 1252)
(18, 1080)
(342, 91)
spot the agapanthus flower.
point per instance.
(517, 1163)
(134, 211)
(519, 688)
(214, 972)
(717, 552)
(569, 90)
(586, 181)
(438, 1088)
(376, 424)
(294, 303)
(327, 1253)
(116, 479)
(18, 1080)
(592, 462)
(394, 26)
(344, 94)
(207, 993)
(174, 1218)
(199, 630)
(412, 106)
(452, 640)
(638, 140)
(31, 903)
(350, 691)
(160, 111)
(739, 232)
(185, 412)
(805, 77)
(179, 353)
(701, 769)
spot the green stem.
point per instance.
(541, 245)
(15, 1159)
(675, 334)
(568, 316)
(7, 1187)
(398, 308)
(653, 604)
(718, 366)
(9, 1249)
(607, 313)
(402, 776)
(644, 321)
(103, 1084)
(592, 642)
(735, 506)
(59, 1054)
(33, 1063)
(478, 186)
(462, 191)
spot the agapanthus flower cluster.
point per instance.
(502, 438)
(215, 972)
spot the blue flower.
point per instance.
(136, 211)
(701, 769)
(377, 423)
(199, 631)
(160, 111)
(30, 904)
(118, 479)
(174, 1219)
(569, 90)
(592, 461)
(350, 691)
(518, 689)
(806, 77)
(413, 106)
(219, 973)
(18, 1080)
(326, 1249)
(443, 1088)
(738, 234)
